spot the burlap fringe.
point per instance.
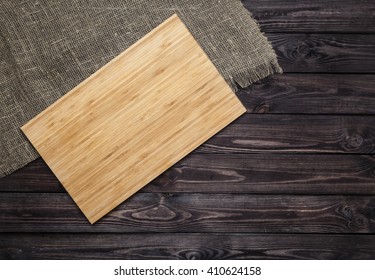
(246, 78)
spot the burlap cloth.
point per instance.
(47, 47)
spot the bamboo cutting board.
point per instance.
(134, 118)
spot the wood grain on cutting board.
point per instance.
(133, 119)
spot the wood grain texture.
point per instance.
(209, 213)
(295, 133)
(135, 117)
(186, 246)
(235, 173)
(319, 16)
(311, 94)
(325, 53)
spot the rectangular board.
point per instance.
(133, 119)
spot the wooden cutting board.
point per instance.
(134, 118)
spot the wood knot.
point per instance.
(156, 213)
(347, 212)
(203, 254)
(262, 108)
(352, 142)
(160, 213)
(354, 218)
(355, 140)
(192, 255)
(304, 49)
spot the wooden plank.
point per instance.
(314, 16)
(237, 173)
(186, 246)
(210, 213)
(314, 94)
(134, 118)
(325, 53)
(295, 133)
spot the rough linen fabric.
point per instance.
(47, 47)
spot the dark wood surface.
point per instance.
(325, 53)
(194, 212)
(317, 16)
(186, 246)
(294, 178)
(311, 94)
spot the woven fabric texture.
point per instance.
(47, 47)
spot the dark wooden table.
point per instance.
(293, 178)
